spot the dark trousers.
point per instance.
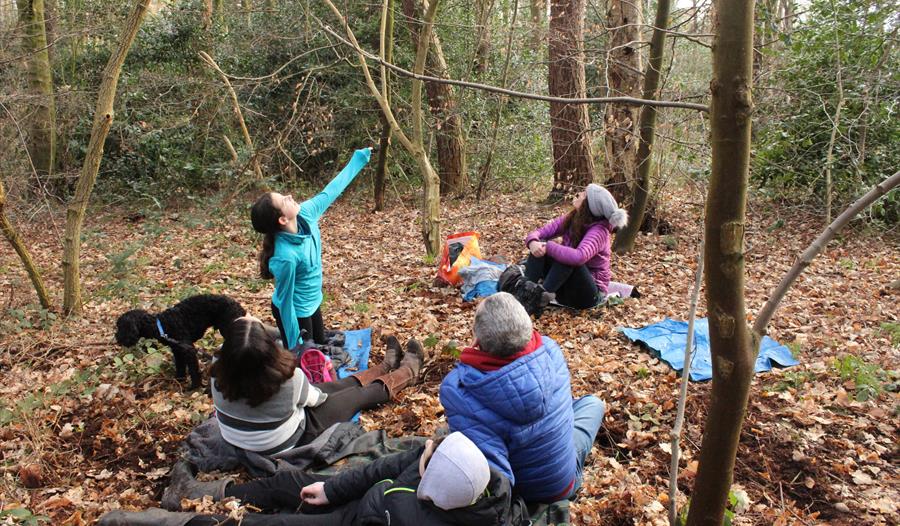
(313, 325)
(282, 492)
(574, 286)
(345, 398)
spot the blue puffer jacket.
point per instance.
(520, 416)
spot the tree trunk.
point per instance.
(573, 164)
(538, 23)
(731, 343)
(451, 147)
(247, 7)
(836, 121)
(13, 237)
(641, 188)
(787, 17)
(483, 9)
(765, 34)
(431, 203)
(42, 123)
(207, 15)
(103, 117)
(51, 29)
(621, 121)
(384, 144)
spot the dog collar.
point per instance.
(159, 326)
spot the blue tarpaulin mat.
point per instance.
(668, 338)
(357, 344)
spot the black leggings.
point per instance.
(345, 398)
(574, 286)
(313, 325)
(280, 492)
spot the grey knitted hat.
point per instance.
(603, 205)
(457, 474)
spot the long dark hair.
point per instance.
(577, 221)
(264, 217)
(251, 365)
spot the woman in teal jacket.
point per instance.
(292, 253)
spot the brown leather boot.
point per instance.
(392, 357)
(408, 372)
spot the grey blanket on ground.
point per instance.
(340, 446)
(206, 449)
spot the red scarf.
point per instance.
(484, 361)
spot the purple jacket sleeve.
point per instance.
(591, 244)
(548, 231)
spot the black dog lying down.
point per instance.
(179, 327)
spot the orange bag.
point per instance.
(457, 253)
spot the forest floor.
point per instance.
(91, 427)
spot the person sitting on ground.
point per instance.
(265, 404)
(510, 394)
(577, 270)
(446, 481)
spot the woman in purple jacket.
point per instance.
(577, 269)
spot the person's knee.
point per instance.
(591, 405)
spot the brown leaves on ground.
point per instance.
(100, 426)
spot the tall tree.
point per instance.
(538, 23)
(207, 14)
(384, 144)
(787, 17)
(451, 146)
(732, 345)
(42, 123)
(247, 6)
(103, 117)
(573, 164)
(483, 10)
(640, 193)
(624, 21)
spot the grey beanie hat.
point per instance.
(457, 474)
(603, 205)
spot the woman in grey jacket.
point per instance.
(265, 404)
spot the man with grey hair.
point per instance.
(510, 394)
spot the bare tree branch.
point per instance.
(682, 394)
(208, 60)
(512, 93)
(768, 310)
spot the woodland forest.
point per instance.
(754, 145)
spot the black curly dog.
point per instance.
(179, 327)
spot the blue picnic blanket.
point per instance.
(668, 338)
(357, 343)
